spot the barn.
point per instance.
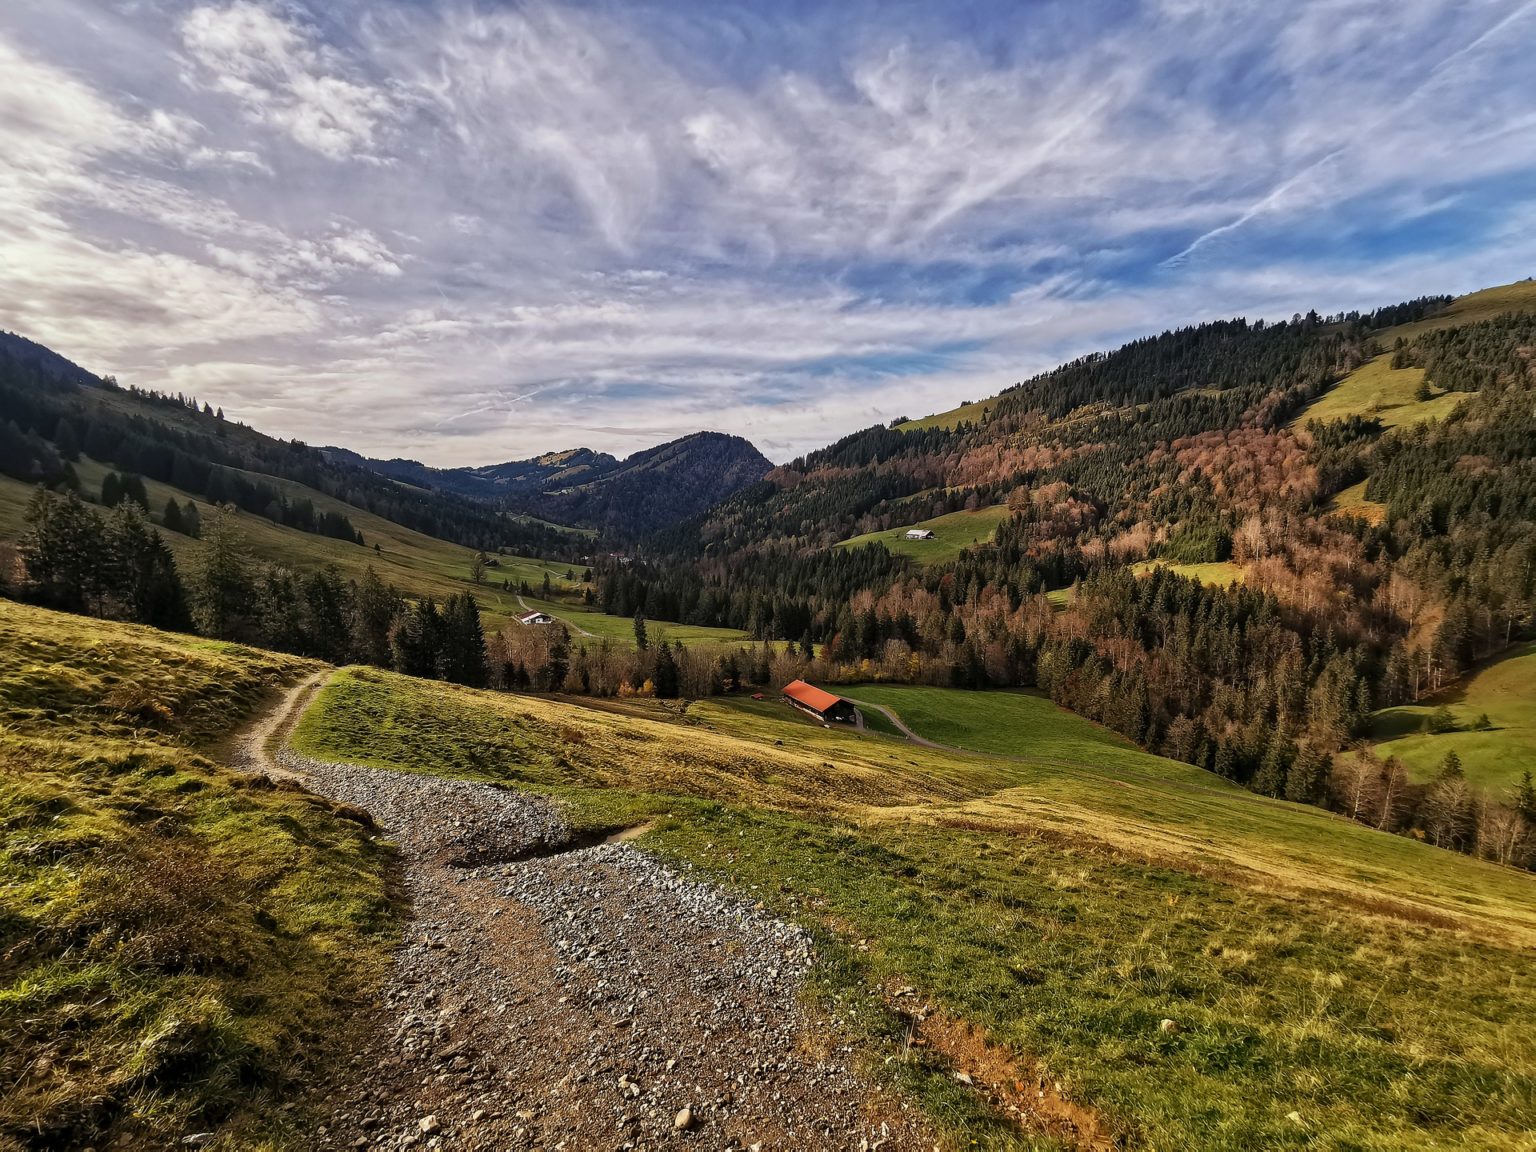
(536, 618)
(919, 533)
(818, 703)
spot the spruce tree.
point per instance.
(221, 585)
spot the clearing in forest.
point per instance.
(952, 534)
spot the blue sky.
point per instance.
(469, 232)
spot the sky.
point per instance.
(468, 232)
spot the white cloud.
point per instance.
(478, 232)
(282, 78)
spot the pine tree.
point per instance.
(62, 549)
(144, 580)
(374, 607)
(192, 521)
(111, 490)
(221, 585)
(666, 674)
(462, 659)
(642, 642)
(171, 518)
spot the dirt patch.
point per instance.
(1018, 1089)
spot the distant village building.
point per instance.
(535, 618)
(919, 533)
(818, 703)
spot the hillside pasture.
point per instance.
(417, 564)
(1469, 309)
(1329, 986)
(621, 629)
(953, 533)
(972, 413)
(1219, 574)
(1504, 691)
(1377, 389)
(1351, 501)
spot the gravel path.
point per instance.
(575, 998)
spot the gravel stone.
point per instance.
(551, 996)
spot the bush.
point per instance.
(1440, 721)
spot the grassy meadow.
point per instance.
(1221, 573)
(1504, 691)
(621, 629)
(1378, 389)
(953, 533)
(417, 564)
(967, 413)
(1330, 987)
(177, 943)
(1470, 309)
(1351, 501)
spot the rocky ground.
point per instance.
(550, 996)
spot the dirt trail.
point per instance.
(550, 996)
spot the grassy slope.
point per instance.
(417, 564)
(1064, 910)
(621, 629)
(1470, 309)
(1377, 389)
(972, 413)
(953, 533)
(175, 943)
(1351, 501)
(1506, 691)
(1220, 573)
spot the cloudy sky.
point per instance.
(473, 231)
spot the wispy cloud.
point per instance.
(479, 231)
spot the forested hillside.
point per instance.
(52, 412)
(652, 489)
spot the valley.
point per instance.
(1187, 807)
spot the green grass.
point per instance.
(966, 413)
(1221, 573)
(1351, 501)
(1377, 389)
(621, 629)
(1504, 691)
(953, 533)
(178, 944)
(1470, 309)
(1049, 909)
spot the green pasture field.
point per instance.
(1219, 573)
(1377, 389)
(953, 533)
(1504, 691)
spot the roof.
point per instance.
(809, 695)
(527, 616)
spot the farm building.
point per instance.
(919, 533)
(535, 618)
(822, 705)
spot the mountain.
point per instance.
(651, 489)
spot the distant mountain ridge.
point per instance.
(652, 488)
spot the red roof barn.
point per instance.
(820, 704)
